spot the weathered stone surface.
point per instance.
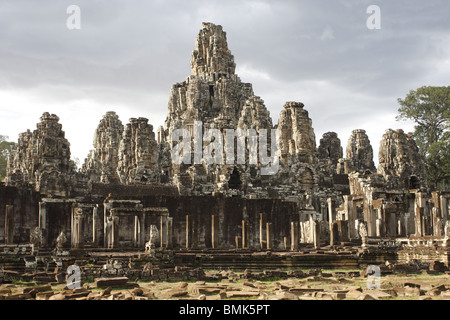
(330, 148)
(399, 157)
(138, 154)
(101, 164)
(242, 294)
(42, 159)
(359, 151)
(211, 54)
(176, 292)
(111, 282)
(296, 132)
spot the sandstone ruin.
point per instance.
(315, 203)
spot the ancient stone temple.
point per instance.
(102, 162)
(399, 157)
(42, 159)
(220, 174)
(359, 152)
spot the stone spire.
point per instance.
(330, 147)
(399, 157)
(101, 164)
(359, 151)
(42, 158)
(138, 154)
(213, 93)
(296, 134)
(211, 54)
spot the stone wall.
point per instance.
(18, 213)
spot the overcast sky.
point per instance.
(127, 55)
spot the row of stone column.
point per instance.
(266, 234)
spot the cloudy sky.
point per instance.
(127, 54)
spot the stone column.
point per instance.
(401, 226)
(169, 232)
(77, 233)
(163, 231)
(137, 231)
(95, 235)
(379, 228)
(294, 235)
(334, 234)
(392, 224)
(343, 230)
(436, 222)
(350, 211)
(238, 241)
(331, 210)
(106, 225)
(43, 222)
(244, 234)
(214, 231)
(115, 231)
(420, 228)
(371, 221)
(9, 224)
(316, 239)
(269, 235)
(444, 208)
(188, 240)
(262, 233)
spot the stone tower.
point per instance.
(399, 157)
(215, 96)
(359, 152)
(42, 159)
(101, 164)
(330, 148)
(138, 154)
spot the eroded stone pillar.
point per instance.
(350, 212)
(436, 222)
(294, 235)
(334, 234)
(343, 230)
(379, 228)
(9, 224)
(419, 223)
(169, 232)
(244, 234)
(95, 223)
(262, 231)
(238, 241)
(214, 231)
(444, 208)
(269, 235)
(163, 231)
(316, 238)
(331, 210)
(43, 222)
(188, 232)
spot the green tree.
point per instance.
(5, 149)
(429, 108)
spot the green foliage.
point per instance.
(5, 149)
(429, 108)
